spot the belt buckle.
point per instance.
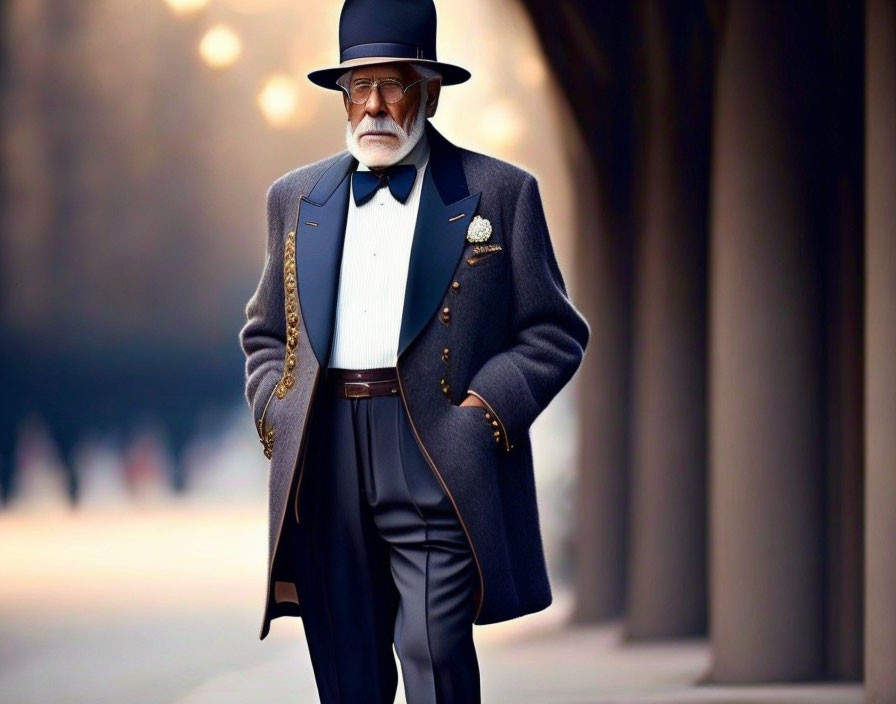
(362, 392)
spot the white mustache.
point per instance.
(379, 124)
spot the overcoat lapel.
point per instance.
(319, 238)
(446, 208)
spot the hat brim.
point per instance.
(326, 77)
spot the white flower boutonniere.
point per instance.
(480, 229)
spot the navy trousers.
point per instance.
(390, 563)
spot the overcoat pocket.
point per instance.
(478, 425)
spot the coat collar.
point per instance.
(446, 208)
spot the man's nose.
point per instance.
(375, 103)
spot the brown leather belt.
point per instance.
(362, 383)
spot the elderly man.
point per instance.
(410, 324)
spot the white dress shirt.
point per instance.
(373, 276)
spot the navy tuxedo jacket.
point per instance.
(495, 321)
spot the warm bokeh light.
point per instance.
(220, 46)
(500, 124)
(530, 70)
(279, 99)
(254, 7)
(185, 7)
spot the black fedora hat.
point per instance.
(382, 31)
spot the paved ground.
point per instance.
(162, 605)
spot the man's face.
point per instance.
(379, 132)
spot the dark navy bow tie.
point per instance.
(399, 178)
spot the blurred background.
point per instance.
(717, 484)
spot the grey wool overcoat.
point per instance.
(491, 317)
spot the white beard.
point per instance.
(376, 154)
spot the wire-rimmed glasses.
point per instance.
(391, 89)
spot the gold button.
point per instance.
(488, 415)
(455, 285)
(445, 351)
(446, 310)
(495, 423)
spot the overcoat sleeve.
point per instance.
(549, 335)
(263, 337)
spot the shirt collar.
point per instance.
(418, 156)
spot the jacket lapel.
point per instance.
(319, 237)
(446, 208)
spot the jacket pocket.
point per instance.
(265, 433)
(476, 259)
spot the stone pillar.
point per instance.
(844, 325)
(666, 593)
(880, 360)
(765, 352)
(587, 44)
(603, 284)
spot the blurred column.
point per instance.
(880, 344)
(765, 352)
(844, 326)
(666, 593)
(588, 48)
(603, 284)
